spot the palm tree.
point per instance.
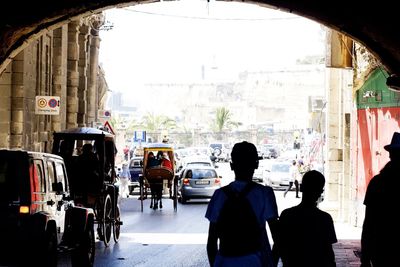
(223, 120)
(152, 122)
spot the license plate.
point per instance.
(202, 182)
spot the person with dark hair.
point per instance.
(381, 231)
(306, 233)
(238, 214)
(152, 161)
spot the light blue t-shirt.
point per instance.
(262, 199)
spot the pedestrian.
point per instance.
(238, 213)
(126, 152)
(124, 179)
(381, 231)
(306, 233)
(294, 179)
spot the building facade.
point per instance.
(64, 63)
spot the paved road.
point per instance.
(172, 239)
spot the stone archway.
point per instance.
(372, 25)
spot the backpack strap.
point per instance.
(230, 193)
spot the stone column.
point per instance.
(5, 107)
(93, 70)
(17, 101)
(339, 96)
(72, 75)
(96, 21)
(60, 48)
(83, 73)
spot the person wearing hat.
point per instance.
(381, 227)
(245, 197)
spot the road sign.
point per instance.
(47, 105)
(139, 136)
(104, 114)
(108, 127)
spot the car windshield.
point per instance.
(135, 164)
(280, 168)
(203, 174)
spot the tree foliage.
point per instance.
(223, 120)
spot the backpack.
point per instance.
(238, 229)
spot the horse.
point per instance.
(155, 177)
(156, 189)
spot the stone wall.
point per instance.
(56, 63)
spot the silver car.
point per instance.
(279, 175)
(197, 182)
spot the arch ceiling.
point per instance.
(375, 25)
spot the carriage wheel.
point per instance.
(141, 187)
(117, 224)
(107, 220)
(99, 220)
(175, 196)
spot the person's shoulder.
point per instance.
(289, 213)
(375, 182)
(263, 188)
(290, 210)
(324, 215)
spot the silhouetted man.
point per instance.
(238, 214)
(381, 228)
(306, 233)
(89, 167)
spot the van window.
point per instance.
(52, 176)
(39, 184)
(61, 177)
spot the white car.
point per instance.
(261, 173)
(279, 174)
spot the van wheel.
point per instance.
(83, 254)
(45, 252)
(217, 152)
(51, 248)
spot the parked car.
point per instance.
(279, 174)
(269, 151)
(38, 216)
(221, 150)
(136, 169)
(197, 182)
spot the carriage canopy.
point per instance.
(158, 148)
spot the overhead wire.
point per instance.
(208, 18)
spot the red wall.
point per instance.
(375, 130)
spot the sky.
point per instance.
(175, 41)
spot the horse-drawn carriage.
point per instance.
(158, 174)
(89, 156)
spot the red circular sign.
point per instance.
(53, 103)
